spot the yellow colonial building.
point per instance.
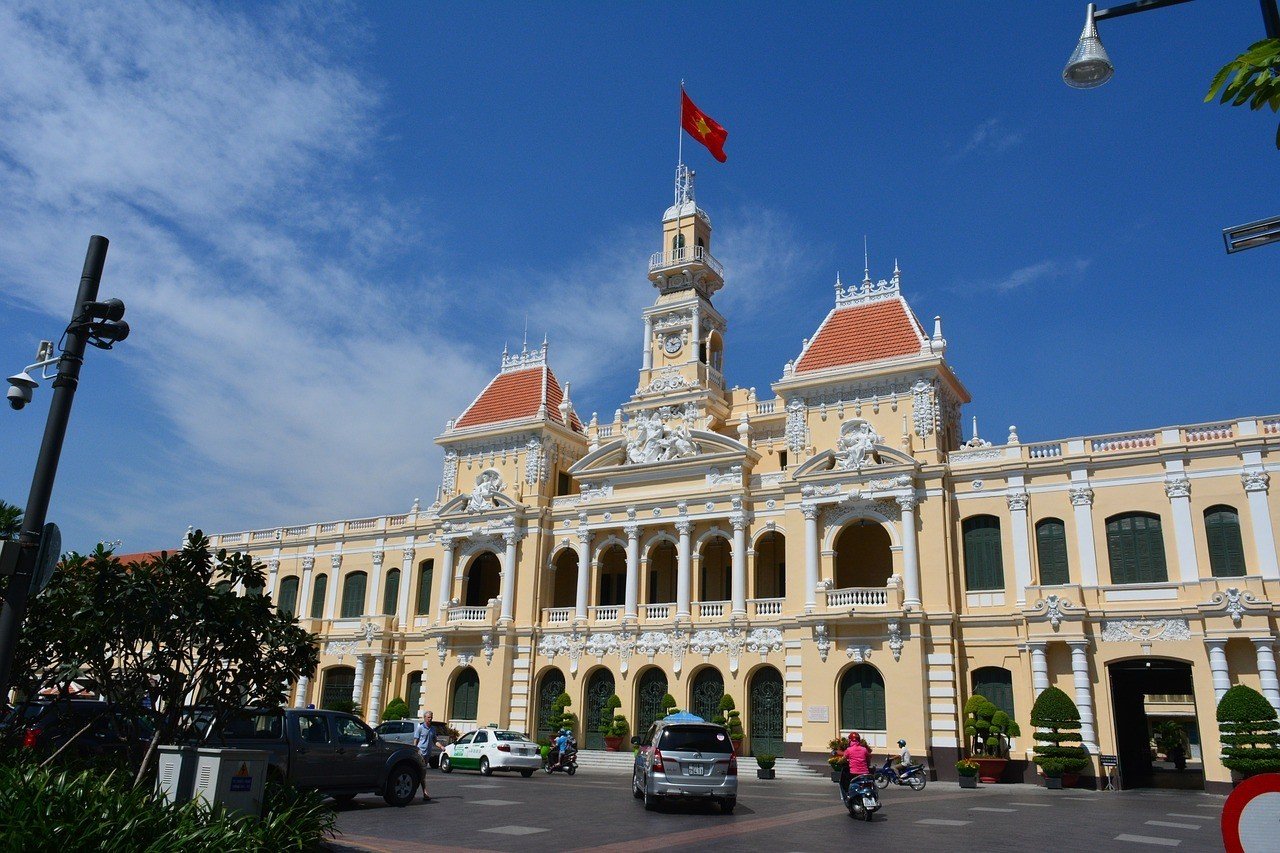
(833, 554)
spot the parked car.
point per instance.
(682, 759)
(401, 731)
(493, 749)
(96, 729)
(329, 751)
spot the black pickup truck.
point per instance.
(328, 751)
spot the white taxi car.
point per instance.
(493, 749)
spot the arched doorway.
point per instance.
(715, 559)
(413, 694)
(662, 573)
(862, 699)
(339, 688)
(706, 693)
(764, 712)
(650, 689)
(863, 558)
(482, 580)
(1153, 701)
(612, 589)
(599, 689)
(550, 686)
(771, 566)
(564, 584)
(465, 704)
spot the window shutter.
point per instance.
(391, 593)
(1051, 552)
(995, 683)
(984, 562)
(423, 605)
(1226, 549)
(317, 596)
(288, 602)
(1135, 549)
(353, 595)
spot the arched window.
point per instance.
(677, 246)
(564, 583)
(662, 573)
(1226, 550)
(287, 603)
(612, 586)
(353, 595)
(318, 591)
(995, 683)
(339, 688)
(1051, 552)
(482, 581)
(863, 555)
(715, 571)
(466, 696)
(706, 693)
(426, 569)
(413, 694)
(862, 699)
(983, 560)
(1135, 548)
(771, 566)
(391, 593)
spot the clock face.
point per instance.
(671, 344)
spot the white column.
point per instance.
(1218, 667)
(422, 688)
(1039, 668)
(684, 572)
(1267, 670)
(406, 586)
(1264, 539)
(1082, 500)
(1178, 488)
(1020, 531)
(738, 583)
(1084, 692)
(357, 692)
(810, 558)
(375, 691)
(697, 334)
(648, 343)
(335, 581)
(273, 572)
(633, 570)
(910, 551)
(303, 609)
(445, 580)
(584, 574)
(373, 593)
(508, 576)
(300, 698)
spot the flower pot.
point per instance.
(737, 745)
(990, 769)
(1053, 783)
(764, 773)
(1070, 780)
(612, 744)
(968, 781)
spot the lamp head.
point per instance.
(1089, 66)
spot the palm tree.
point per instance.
(10, 520)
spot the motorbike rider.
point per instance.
(563, 746)
(904, 757)
(857, 756)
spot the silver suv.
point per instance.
(685, 760)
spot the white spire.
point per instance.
(866, 260)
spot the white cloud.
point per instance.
(1037, 273)
(990, 136)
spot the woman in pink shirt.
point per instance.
(856, 756)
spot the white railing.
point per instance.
(683, 257)
(606, 613)
(262, 534)
(656, 611)
(858, 596)
(604, 430)
(330, 527)
(557, 615)
(766, 407)
(1213, 432)
(711, 609)
(564, 500)
(1132, 441)
(1045, 450)
(232, 538)
(298, 531)
(397, 520)
(362, 524)
(766, 606)
(468, 614)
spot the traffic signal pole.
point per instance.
(55, 431)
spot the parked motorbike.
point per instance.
(861, 797)
(912, 775)
(562, 763)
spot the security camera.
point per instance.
(20, 392)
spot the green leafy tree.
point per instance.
(1249, 730)
(668, 704)
(1252, 78)
(397, 709)
(560, 718)
(607, 717)
(151, 634)
(988, 727)
(1057, 722)
(10, 520)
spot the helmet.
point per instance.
(901, 742)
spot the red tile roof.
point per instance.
(516, 395)
(863, 333)
(140, 557)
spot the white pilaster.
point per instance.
(1020, 531)
(335, 583)
(300, 698)
(684, 571)
(303, 609)
(648, 343)
(1084, 692)
(1264, 646)
(407, 581)
(1178, 489)
(697, 333)
(1264, 539)
(810, 557)
(357, 692)
(1039, 668)
(738, 583)
(632, 599)
(1218, 667)
(910, 551)
(1082, 501)
(273, 572)
(422, 688)
(584, 573)
(375, 690)
(508, 576)
(445, 581)
(373, 592)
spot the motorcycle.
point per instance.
(912, 774)
(558, 763)
(861, 797)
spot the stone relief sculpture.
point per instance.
(488, 484)
(652, 437)
(856, 445)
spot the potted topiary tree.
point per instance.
(967, 770)
(397, 709)
(560, 718)
(618, 731)
(607, 719)
(1057, 722)
(732, 721)
(1250, 732)
(989, 729)
(668, 704)
(765, 762)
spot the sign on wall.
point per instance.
(818, 714)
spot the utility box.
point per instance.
(176, 773)
(231, 778)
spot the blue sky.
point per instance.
(327, 223)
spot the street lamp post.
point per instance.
(92, 322)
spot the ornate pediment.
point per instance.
(874, 459)
(487, 495)
(710, 450)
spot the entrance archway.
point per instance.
(706, 693)
(339, 688)
(482, 580)
(650, 689)
(1153, 699)
(550, 687)
(599, 689)
(863, 558)
(764, 712)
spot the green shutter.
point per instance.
(353, 595)
(287, 604)
(983, 560)
(1135, 548)
(995, 683)
(862, 699)
(1226, 550)
(317, 596)
(391, 593)
(466, 696)
(1051, 552)
(423, 606)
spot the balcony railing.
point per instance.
(557, 615)
(711, 609)
(468, 615)
(657, 611)
(858, 596)
(766, 606)
(606, 613)
(686, 257)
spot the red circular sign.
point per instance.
(1251, 816)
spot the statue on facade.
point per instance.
(651, 439)
(488, 484)
(856, 445)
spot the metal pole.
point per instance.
(55, 430)
(1270, 18)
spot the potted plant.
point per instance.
(967, 769)
(617, 734)
(765, 762)
(837, 761)
(1250, 732)
(608, 722)
(668, 704)
(989, 729)
(1171, 740)
(732, 721)
(1057, 722)
(560, 718)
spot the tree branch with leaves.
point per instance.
(1252, 78)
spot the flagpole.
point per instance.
(680, 129)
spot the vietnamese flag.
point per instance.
(702, 127)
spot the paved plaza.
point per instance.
(596, 812)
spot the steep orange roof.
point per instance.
(515, 395)
(862, 333)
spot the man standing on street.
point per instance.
(426, 737)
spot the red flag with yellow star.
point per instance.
(703, 127)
